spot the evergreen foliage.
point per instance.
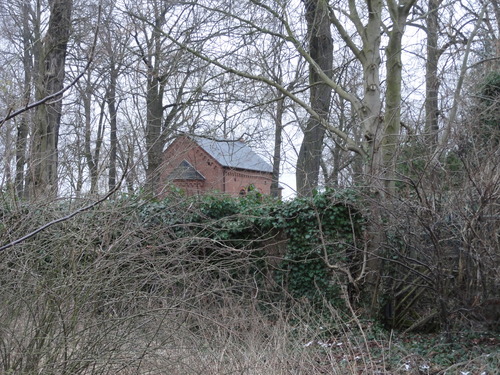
(489, 107)
(319, 232)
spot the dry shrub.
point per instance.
(442, 239)
(105, 293)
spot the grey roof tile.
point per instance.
(234, 154)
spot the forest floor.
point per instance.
(463, 353)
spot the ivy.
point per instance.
(489, 109)
(319, 231)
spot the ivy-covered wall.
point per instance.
(321, 235)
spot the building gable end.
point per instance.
(185, 171)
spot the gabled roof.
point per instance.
(185, 171)
(234, 154)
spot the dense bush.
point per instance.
(131, 277)
(204, 284)
(320, 234)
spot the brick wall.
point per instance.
(191, 187)
(241, 179)
(217, 178)
(184, 148)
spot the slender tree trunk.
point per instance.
(154, 105)
(394, 65)
(21, 148)
(86, 98)
(50, 80)
(278, 133)
(113, 140)
(431, 75)
(127, 159)
(333, 180)
(31, 56)
(79, 178)
(7, 159)
(92, 157)
(154, 100)
(381, 131)
(23, 127)
(321, 50)
(371, 113)
(496, 10)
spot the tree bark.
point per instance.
(92, 158)
(154, 145)
(321, 51)
(431, 75)
(154, 103)
(50, 80)
(113, 140)
(31, 57)
(399, 14)
(278, 133)
(496, 10)
(381, 130)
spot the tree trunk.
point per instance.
(496, 10)
(431, 75)
(381, 131)
(384, 147)
(50, 80)
(154, 105)
(154, 145)
(278, 133)
(321, 51)
(392, 120)
(21, 143)
(126, 160)
(371, 112)
(92, 157)
(113, 140)
(31, 57)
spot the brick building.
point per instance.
(199, 165)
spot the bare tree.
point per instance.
(50, 80)
(31, 58)
(431, 76)
(165, 79)
(92, 156)
(320, 44)
(21, 28)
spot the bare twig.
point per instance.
(67, 217)
(11, 114)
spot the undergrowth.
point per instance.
(202, 285)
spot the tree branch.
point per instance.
(67, 217)
(351, 144)
(11, 114)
